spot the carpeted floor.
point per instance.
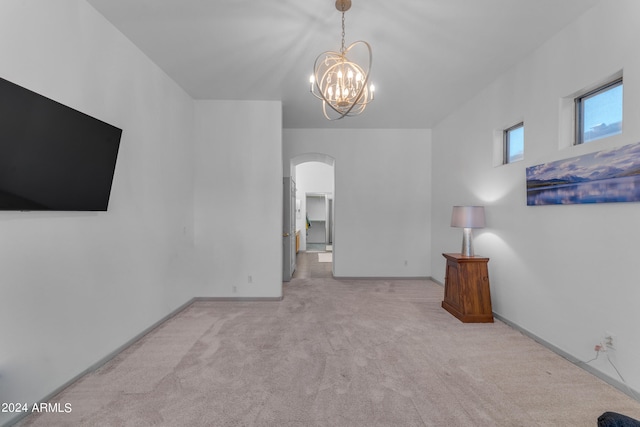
(336, 353)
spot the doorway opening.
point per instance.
(319, 222)
(314, 177)
(315, 195)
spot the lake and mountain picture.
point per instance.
(608, 176)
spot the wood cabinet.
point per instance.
(466, 288)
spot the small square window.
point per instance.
(514, 143)
(599, 113)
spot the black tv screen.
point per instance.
(53, 157)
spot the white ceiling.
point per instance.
(429, 56)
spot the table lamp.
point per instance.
(467, 218)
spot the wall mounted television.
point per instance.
(52, 157)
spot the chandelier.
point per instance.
(339, 82)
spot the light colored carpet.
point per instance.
(325, 257)
(336, 353)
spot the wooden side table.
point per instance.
(466, 288)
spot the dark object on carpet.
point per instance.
(613, 419)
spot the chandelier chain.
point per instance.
(342, 48)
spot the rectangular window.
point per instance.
(514, 143)
(599, 113)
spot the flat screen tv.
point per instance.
(52, 157)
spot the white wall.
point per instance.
(76, 286)
(564, 273)
(238, 192)
(382, 198)
(314, 177)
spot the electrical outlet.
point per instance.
(235, 289)
(250, 279)
(609, 341)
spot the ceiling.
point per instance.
(429, 56)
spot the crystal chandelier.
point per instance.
(340, 83)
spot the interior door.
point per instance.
(288, 229)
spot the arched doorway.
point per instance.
(313, 175)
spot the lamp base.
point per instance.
(467, 242)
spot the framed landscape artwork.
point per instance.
(608, 176)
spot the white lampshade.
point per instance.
(468, 217)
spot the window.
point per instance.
(599, 113)
(514, 143)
